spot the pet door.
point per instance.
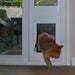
(43, 18)
(43, 27)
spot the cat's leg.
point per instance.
(47, 60)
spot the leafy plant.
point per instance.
(17, 3)
(38, 2)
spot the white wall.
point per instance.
(72, 28)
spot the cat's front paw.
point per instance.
(51, 67)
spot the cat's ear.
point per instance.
(61, 46)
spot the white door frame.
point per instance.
(68, 57)
(65, 23)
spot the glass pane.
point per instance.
(45, 2)
(48, 28)
(10, 27)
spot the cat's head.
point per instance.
(56, 50)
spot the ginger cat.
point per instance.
(49, 48)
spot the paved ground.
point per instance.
(36, 70)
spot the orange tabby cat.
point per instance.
(49, 48)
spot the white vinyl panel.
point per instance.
(42, 14)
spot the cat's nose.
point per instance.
(57, 57)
